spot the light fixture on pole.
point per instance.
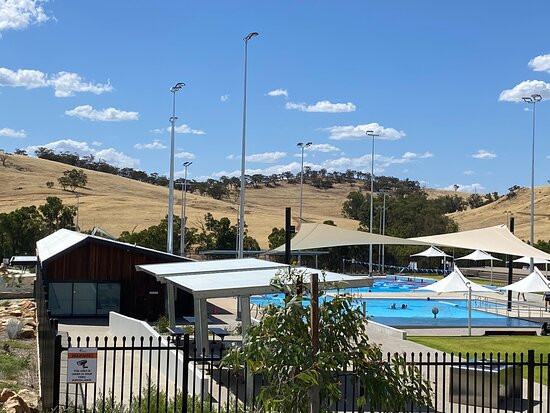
(373, 135)
(170, 232)
(302, 146)
(184, 209)
(243, 151)
(533, 99)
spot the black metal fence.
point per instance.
(49, 345)
(166, 375)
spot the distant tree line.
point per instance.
(21, 228)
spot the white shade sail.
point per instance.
(535, 282)
(497, 239)
(478, 255)
(313, 236)
(455, 282)
(431, 252)
(527, 260)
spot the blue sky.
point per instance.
(436, 79)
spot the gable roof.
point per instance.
(63, 240)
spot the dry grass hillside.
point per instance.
(519, 206)
(117, 204)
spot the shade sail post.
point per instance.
(469, 309)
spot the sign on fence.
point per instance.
(81, 365)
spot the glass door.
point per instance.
(84, 298)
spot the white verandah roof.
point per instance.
(173, 269)
(247, 283)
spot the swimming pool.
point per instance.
(418, 312)
(395, 284)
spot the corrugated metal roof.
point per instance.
(246, 283)
(64, 239)
(205, 267)
(57, 242)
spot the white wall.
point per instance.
(123, 326)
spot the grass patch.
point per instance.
(494, 344)
(12, 365)
(15, 344)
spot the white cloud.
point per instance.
(64, 83)
(525, 88)
(324, 106)
(184, 155)
(20, 14)
(97, 143)
(540, 63)
(466, 187)
(12, 133)
(67, 84)
(109, 155)
(323, 147)
(103, 115)
(359, 132)
(224, 98)
(412, 155)
(341, 164)
(483, 154)
(183, 128)
(278, 92)
(156, 144)
(469, 172)
(157, 131)
(266, 157)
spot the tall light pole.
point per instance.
(302, 146)
(533, 99)
(373, 135)
(243, 152)
(170, 234)
(183, 209)
(383, 228)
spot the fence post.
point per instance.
(531, 380)
(56, 372)
(185, 373)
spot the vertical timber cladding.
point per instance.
(95, 260)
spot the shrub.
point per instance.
(50, 184)
(13, 328)
(162, 324)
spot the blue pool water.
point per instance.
(452, 313)
(395, 284)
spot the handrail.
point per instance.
(502, 306)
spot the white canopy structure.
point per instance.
(457, 282)
(314, 236)
(535, 282)
(527, 260)
(479, 255)
(432, 252)
(536, 261)
(230, 278)
(497, 239)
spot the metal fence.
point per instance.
(168, 375)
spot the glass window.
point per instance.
(108, 297)
(84, 298)
(60, 298)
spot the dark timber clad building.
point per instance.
(87, 275)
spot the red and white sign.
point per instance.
(81, 365)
